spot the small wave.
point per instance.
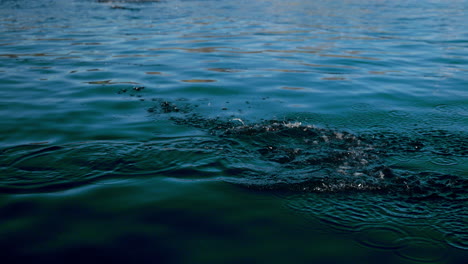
(289, 155)
(422, 250)
(337, 177)
(384, 237)
(274, 155)
(38, 168)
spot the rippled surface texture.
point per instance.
(234, 131)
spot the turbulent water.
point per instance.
(247, 131)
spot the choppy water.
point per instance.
(234, 131)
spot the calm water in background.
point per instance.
(234, 131)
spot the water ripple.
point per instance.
(33, 168)
(384, 237)
(422, 250)
(375, 146)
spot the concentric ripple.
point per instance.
(382, 237)
(422, 250)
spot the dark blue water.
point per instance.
(234, 131)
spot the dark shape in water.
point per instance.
(270, 155)
(287, 155)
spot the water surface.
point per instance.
(249, 131)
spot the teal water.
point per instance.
(213, 131)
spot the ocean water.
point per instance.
(214, 131)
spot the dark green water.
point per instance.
(233, 131)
